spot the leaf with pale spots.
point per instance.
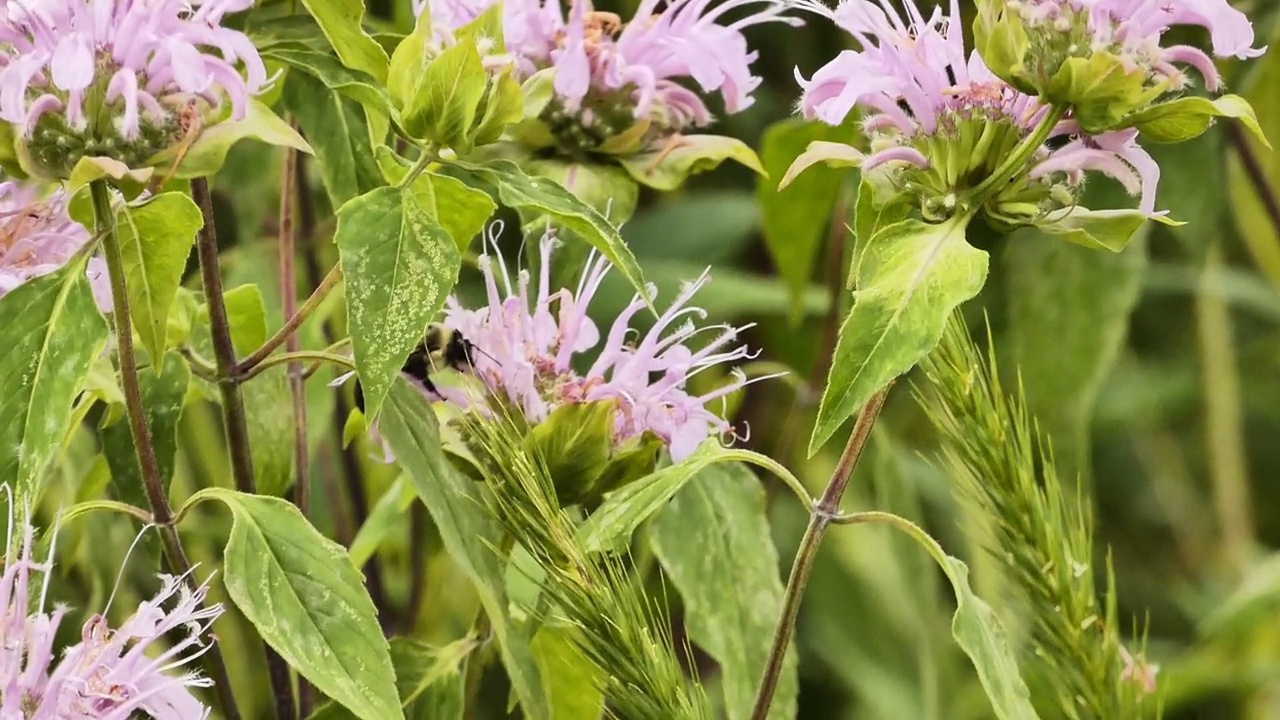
(52, 332)
(399, 263)
(912, 274)
(714, 535)
(155, 240)
(518, 190)
(307, 600)
(461, 210)
(470, 534)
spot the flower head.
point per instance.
(110, 673)
(122, 78)
(1115, 45)
(529, 338)
(940, 122)
(611, 75)
(37, 237)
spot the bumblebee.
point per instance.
(440, 347)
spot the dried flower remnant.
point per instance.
(1137, 670)
(940, 124)
(1105, 56)
(122, 673)
(37, 237)
(120, 78)
(621, 86)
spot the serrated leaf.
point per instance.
(52, 332)
(978, 631)
(446, 99)
(518, 190)
(340, 20)
(714, 535)
(796, 219)
(460, 210)
(339, 135)
(308, 602)
(428, 678)
(399, 265)
(1188, 117)
(470, 535)
(155, 240)
(692, 155)
(209, 150)
(913, 275)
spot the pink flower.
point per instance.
(940, 120)
(609, 72)
(147, 58)
(1132, 30)
(109, 674)
(37, 237)
(528, 338)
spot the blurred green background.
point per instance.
(1155, 371)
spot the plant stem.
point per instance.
(824, 511)
(233, 415)
(287, 334)
(153, 483)
(289, 296)
(1017, 160)
(1257, 175)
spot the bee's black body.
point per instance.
(440, 347)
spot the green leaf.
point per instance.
(383, 518)
(608, 189)
(573, 682)
(469, 533)
(155, 239)
(308, 602)
(978, 632)
(322, 66)
(52, 333)
(428, 679)
(913, 275)
(870, 218)
(209, 150)
(504, 105)
(1188, 117)
(408, 60)
(88, 169)
(1102, 89)
(693, 154)
(576, 442)
(446, 100)
(1099, 229)
(461, 210)
(796, 219)
(610, 527)
(831, 154)
(1002, 41)
(399, 264)
(714, 535)
(518, 190)
(339, 135)
(163, 394)
(340, 20)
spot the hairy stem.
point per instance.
(233, 415)
(153, 483)
(824, 511)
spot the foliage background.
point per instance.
(1154, 371)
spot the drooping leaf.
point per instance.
(714, 535)
(209, 150)
(667, 170)
(340, 20)
(518, 190)
(797, 218)
(1187, 118)
(608, 189)
(52, 332)
(339, 134)
(912, 275)
(470, 535)
(978, 631)
(1098, 229)
(155, 240)
(399, 264)
(307, 600)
